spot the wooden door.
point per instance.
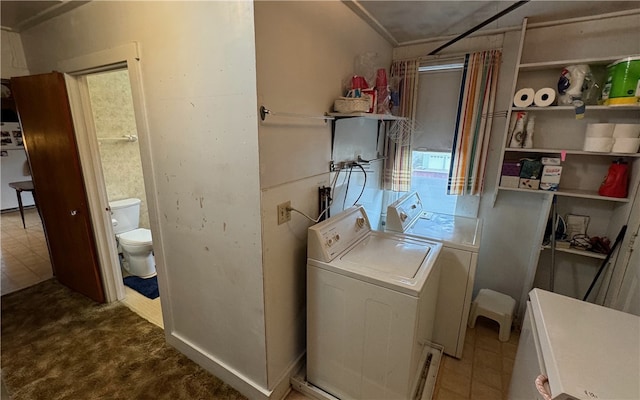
(50, 141)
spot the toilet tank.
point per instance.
(125, 214)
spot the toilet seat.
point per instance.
(136, 237)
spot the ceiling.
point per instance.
(400, 22)
(407, 22)
(19, 15)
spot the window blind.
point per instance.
(438, 95)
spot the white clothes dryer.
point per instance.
(460, 237)
(371, 299)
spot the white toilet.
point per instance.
(134, 243)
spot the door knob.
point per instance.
(74, 212)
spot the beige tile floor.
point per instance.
(25, 262)
(25, 257)
(484, 372)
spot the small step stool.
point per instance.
(496, 306)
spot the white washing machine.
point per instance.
(570, 349)
(460, 237)
(371, 299)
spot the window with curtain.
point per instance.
(432, 142)
(453, 117)
(473, 122)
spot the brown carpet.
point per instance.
(57, 344)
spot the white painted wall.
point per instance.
(304, 52)
(198, 71)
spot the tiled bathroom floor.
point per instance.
(25, 262)
(146, 308)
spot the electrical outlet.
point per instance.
(284, 214)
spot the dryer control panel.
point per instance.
(331, 237)
(402, 213)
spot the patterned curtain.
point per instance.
(397, 167)
(473, 124)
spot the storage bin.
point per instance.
(352, 104)
(511, 168)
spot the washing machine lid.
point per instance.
(389, 256)
(397, 262)
(136, 236)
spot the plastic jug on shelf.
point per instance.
(616, 182)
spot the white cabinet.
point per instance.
(558, 133)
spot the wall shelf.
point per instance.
(380, 117)
(584, 253)
(563, 63)
(584, 194)
(572, 109)
(567, 151)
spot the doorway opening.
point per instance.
(114, 126)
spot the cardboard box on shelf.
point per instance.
(509, 181)
(526, 183)
(550, 179)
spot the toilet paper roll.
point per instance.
(626, 145)
(544, 97)
(626, 131)
(598, 144)
(600, 130)
(524, 97)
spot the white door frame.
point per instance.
(76, 70)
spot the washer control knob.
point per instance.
(360, 222)
(403, 216)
